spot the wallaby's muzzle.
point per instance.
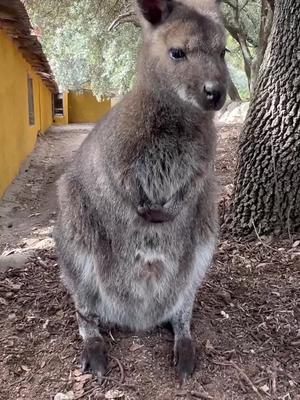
(213, 96)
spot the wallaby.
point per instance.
(137, 224)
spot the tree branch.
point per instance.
(123, 18)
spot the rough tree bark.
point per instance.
(266, 18)
(267, 183)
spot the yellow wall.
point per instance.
(84, 107)
(46, 110)
(63, 119)
(17, 137)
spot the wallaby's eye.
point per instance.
(177, 54)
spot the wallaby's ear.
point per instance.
(155, 11)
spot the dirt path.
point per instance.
(27, 211)
(246, 321)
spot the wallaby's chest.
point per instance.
(164, 165)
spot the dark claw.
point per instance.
(94, 356)
(184, 357)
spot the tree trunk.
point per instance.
(242, 42)
(267, 183)
(266, 18)
(233, 92)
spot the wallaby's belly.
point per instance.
(142, 288)
(147, 281)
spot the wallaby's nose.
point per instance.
(213, 93)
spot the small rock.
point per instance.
(64, 396)
(265, 388)
(224, 314)
(10, 225)
(13, 261)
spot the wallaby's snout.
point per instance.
(214, 95)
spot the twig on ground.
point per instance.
(273, 378)
(120, 367)
(260, 239)
(41, 262)
(201, 395)
(128, 385)
(109, 379)
(242, 374)
(86, 393)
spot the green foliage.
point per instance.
(242, 21)
(115, 64)
(236, 68)
(239, 78)
(81, 49)
(244, 16)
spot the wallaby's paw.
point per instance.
(184, 358)
(94, 356)
(155, 214)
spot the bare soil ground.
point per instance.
(246, 321)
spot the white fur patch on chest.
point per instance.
(151, 272)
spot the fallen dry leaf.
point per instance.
(83, 378)
(25, 368)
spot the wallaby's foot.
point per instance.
(94, 356)
(184, 358)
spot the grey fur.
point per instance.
(151, 157)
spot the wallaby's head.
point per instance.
(184, 49)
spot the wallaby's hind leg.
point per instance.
(94, 354)
(184, 349)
